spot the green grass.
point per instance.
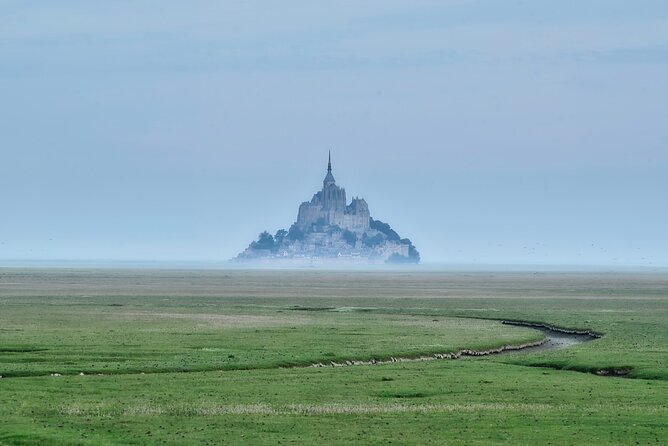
(195, 357)
(71, 339)
(464, 401)
(635, 331)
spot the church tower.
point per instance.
(329, 178)
(334, 197)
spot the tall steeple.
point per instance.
(329, 178)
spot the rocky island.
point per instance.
(329, 230)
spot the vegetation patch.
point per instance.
(404, 394)
(300, 308)
(182, 379)
(622, 371)
(6, 349)
(614, 371)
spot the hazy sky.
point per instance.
(491, 131)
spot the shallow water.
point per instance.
(555, 340)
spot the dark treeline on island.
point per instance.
(329, 230)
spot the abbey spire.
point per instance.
(329, 178)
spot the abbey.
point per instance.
(330, 230)
(329, 206)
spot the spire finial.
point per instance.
(329, 163)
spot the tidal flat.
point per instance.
(114, 356)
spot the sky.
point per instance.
(486, 131)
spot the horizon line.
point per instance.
(230, 264)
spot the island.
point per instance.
(328, 230)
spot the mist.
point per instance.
(486, 132)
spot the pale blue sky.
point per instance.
(530, 132)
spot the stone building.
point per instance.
(330, 230)
(328, 207)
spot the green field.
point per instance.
(222, 357)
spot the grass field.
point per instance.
(197, 357)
